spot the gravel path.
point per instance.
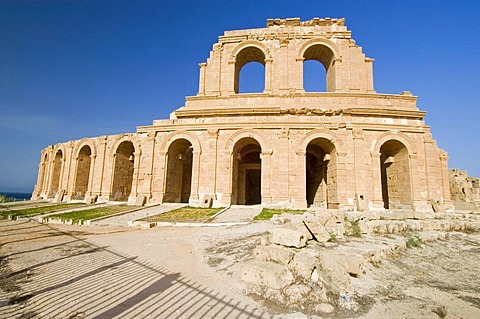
(238, 214)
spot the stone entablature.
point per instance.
(347, 148)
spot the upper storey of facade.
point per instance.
(282, 48)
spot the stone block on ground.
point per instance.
(288, 237)
(320, 232)
(304, 263)
(277, 254)
(266, 273)
(140, 200)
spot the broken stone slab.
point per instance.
(266, 273)
(275, 253)
(335, 273)
(288, 237)
(320, 232)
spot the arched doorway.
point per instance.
(254, 60)
(179, 172)
(321, 174)
(42, 180)
(57, 172)
(123, 171)
(246, 172)
(83, 172)
(395, 175)
(326, 77)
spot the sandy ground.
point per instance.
(60, 271)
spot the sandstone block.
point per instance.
(266, 273)
(304, 263)
(277, 254)
(288, 237)
(319, 231)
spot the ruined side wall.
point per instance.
(465, 190)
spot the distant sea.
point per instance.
(15, 197)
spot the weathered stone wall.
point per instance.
(465, 190)
(346, 130)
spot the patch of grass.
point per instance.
(78, 217)
(353, 228)
(414, 241)
(184, 215)
(268, 213)
(37, 210)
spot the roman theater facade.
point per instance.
(347, 147)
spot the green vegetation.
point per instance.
(79, 216)
(3, 198)
(267, 213)
(353, 228)
(184, 215)
(14, 214)
(414, 241)
(440, 311)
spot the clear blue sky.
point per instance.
(73, 69)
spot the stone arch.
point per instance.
(247, 132)
(125, 138)
(189, 136)
(232, 165)
(322, 133)
(83, 142)
(395, 172)
(326, 53)
(319, 41)
(196, 151)
(83, 169)
(321, 154)
(246, 172)
(399, 136)
(57, 160)
(125, 159)
(245, 53)
(250, 43)
(42, 176)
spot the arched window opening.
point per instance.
(84, 162)
(395, 175)
(246, 172)
(42, 180)
(321, 173)
(253, 77)
(314, 75)
(325, 56)
(123, 172)
(57, 170)
(179, 172)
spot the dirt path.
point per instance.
(174, 272)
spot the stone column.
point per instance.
(102, 194)
(299, 178)
(201, 82)
(268, 76)
(266, 157)
(377, 199)
(297, 75)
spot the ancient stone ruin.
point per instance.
(465, 190)
(347, 147)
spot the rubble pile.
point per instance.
(305, 263)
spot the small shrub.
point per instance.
(441, 311)
(333, 237)
(414, 241)
(353, 228)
